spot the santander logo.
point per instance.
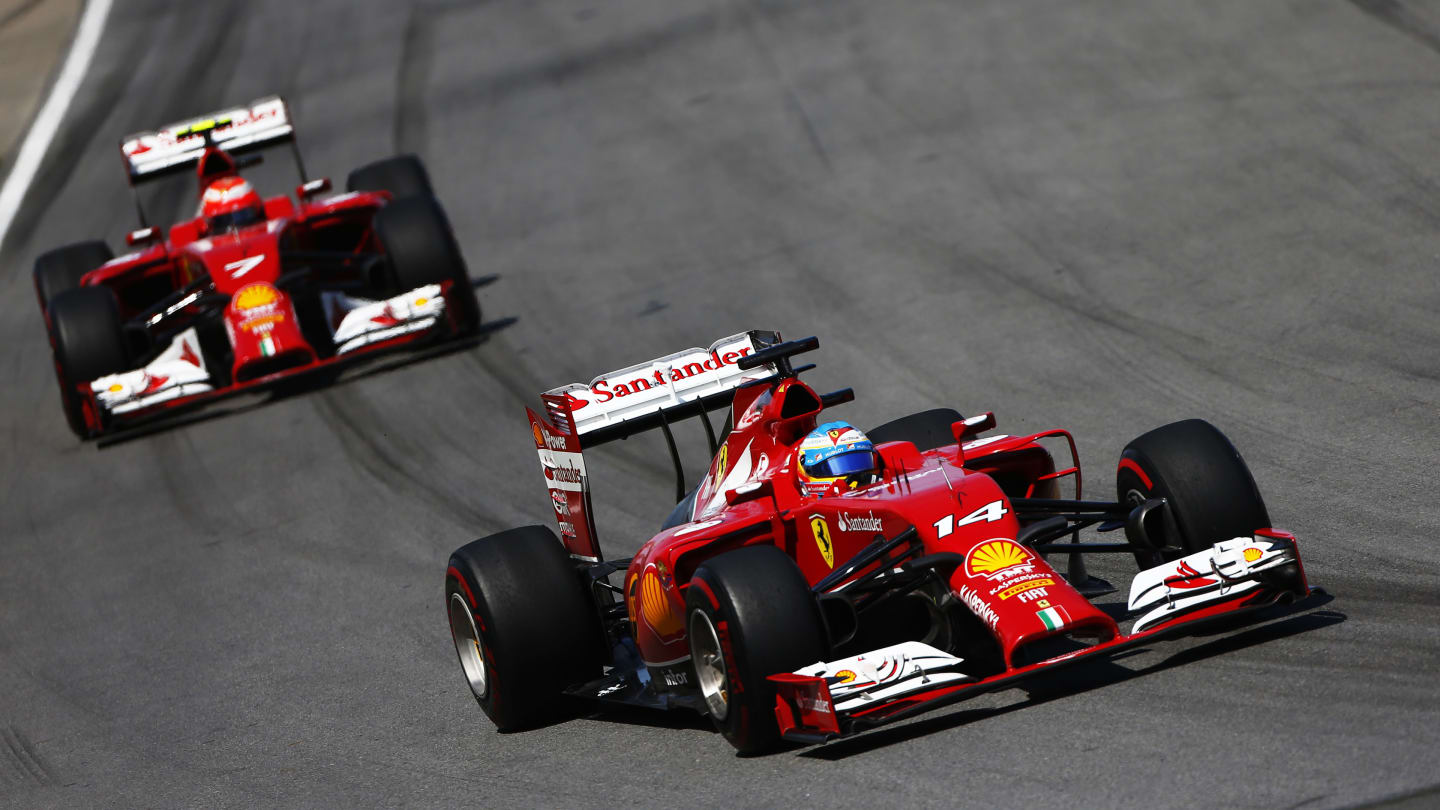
(605, 390)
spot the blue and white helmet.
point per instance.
(833, 451)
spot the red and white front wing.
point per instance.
(1230, 569)
(179, 371)
(358, 322)
(832, 699)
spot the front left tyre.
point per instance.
(750, 614)
(421, 249)
(523, 624)
(401, 175)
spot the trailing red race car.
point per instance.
(252, 290)
(818, 581)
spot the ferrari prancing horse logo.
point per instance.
(821, 530)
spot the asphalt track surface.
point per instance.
(1101, 216)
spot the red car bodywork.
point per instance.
(959, 500)
(246, 264)
(268, 334)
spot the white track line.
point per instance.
(47, 123)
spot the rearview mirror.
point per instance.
(750, 491)
(142, 236)
(972, 427)
(310, 188)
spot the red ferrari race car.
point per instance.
(820, 581)
(252, 290)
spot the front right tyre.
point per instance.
(1207, 486)
(61, 269)
(88, 343)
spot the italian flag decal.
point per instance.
(267, 346)
(1053, 617)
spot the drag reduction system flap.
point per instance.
(176, 147)
(648, 395)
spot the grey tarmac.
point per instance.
(1102, 216)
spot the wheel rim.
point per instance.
(467, 645)
(709, 662)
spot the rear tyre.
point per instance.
(402, 176)
(523, 624)
(762, 620)
(422, 250)
(61, 269)
(926, 429)
(86, 336)
(1208, 487)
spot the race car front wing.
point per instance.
(181, 372)
(834, 699)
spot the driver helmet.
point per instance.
(231, 202)
(832, 452)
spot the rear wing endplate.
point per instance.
(623, 403)
(176, 147)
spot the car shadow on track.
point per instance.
(311, 382)
(1281, 622)
(679, 720)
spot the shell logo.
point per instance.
(845, 675)
(1253, 554)
(994, 556)
(535, 431)
(254, 296)
(656, 607)
(630, 595)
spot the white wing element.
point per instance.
(262, 121)
(888, 672)
(360, 322)
(179, 371)
(1227, 569)
(662, 383)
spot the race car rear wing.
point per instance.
(176, 147)
(633, 400)
(646, 395)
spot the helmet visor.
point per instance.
(844, 464)
(239, 218)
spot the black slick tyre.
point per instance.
(402, 176)
(750, 614)
(1210, 493)
(422, 250)
(926, 429)
(85, 334)
(61, 269)
(523, 624)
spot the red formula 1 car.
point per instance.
(252, 290)
(783, 610)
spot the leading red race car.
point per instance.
(786, 605)
(252, 290)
